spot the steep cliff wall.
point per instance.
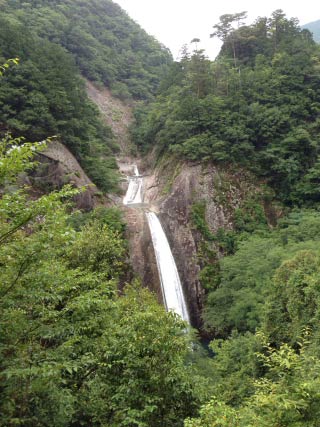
(57, 167)
(142, 257)
(172, 189)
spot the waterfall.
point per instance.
(169, 277)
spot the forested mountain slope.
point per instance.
(45, 95)
(256, 106)
(73, 351)
(108, 46)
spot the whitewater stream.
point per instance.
(134, 192)
(169, 277)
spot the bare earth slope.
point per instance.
(115, 113)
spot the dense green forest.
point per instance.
(81, 343)
(45, 96)
(108, 46)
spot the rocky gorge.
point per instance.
(171, 188)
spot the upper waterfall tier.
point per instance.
(134, 192)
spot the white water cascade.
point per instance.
(169, 277)
(134, 192)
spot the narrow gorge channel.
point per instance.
(171, 288)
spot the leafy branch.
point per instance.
(7, 64)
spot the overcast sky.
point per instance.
(177, 22)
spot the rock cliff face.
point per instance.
(58, 167)
(171, 190)
(141, 251)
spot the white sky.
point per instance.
(176, 22)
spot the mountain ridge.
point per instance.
(314, 28)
